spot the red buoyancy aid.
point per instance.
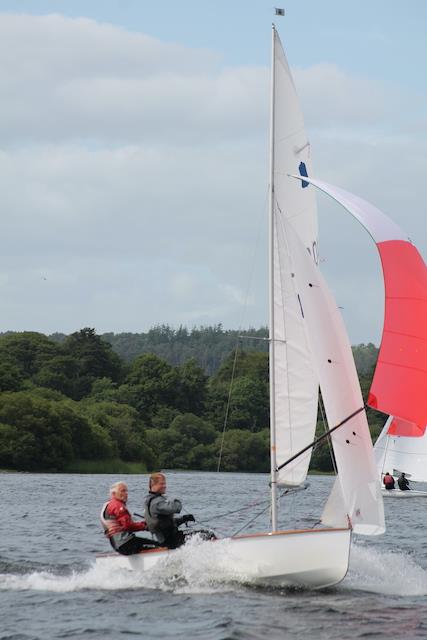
(118, 524)
(388, 480)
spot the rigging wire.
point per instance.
(233, 511)
(256, 501)
(328, 439)
(284, 493)
(385, 456)
(260, 501)
(227, 409)
(246, 507)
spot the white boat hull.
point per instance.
(397, 493)
(312, 558)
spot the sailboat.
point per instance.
(308, 347)
(401, 446)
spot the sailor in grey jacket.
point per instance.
(160, 514)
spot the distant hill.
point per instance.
(209, 346)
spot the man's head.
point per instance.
(403, 475)
(119, 490)
(157, 483)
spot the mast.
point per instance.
(387, 440)
(271, 298)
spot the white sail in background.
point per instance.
(357, 473)
(296, 386)
(399, 453)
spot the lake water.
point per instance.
(50, 587)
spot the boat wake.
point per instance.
(192, 570)
(189, 570)
(387, 572)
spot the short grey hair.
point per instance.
(116, 485)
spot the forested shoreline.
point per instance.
(138, 402)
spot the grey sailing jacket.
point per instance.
(159, 514)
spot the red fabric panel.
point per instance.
(400, 427)
(399, 387)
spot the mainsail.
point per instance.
(295, 387)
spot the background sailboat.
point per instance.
(401, 447)
(308, 346)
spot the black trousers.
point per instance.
(177, 538)
(135, 545)
(173, 539)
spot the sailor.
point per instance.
(118, 524)
(388, 481)
(160, 513)
(403, 482)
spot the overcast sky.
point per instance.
(133, 155)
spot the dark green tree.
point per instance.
(104, 389)
(28, 351)
(41, 439)
(173, 446)
(125, 429)
(96, 359)
(251, 364)
(62, 373)
(11, 378)
(164, 417)
(248, 405)
(151, 383)
(244, 451)
(192, 387)
(45, 432)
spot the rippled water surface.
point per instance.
(50, 587)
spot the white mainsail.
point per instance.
(295, 388)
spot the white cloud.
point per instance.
(182, 285)
(133, 179)
(331, 98)
(64, 79)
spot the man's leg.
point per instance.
(136, 545)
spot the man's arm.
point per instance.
(125, 521)
(162, 507)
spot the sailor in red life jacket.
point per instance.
(119, 526)
(388, 481)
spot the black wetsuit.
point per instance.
(403, 483)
